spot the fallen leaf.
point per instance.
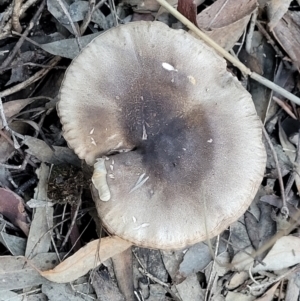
(12, 207)
(237, 279)
(64, 292)
(269, 295)
(190, 289)
(79, 9)
(69, 47)
(14, 107)
(39, 238)
(275, 11)
(44, 153)
(287, 33)
(55, 8)
(86, 259)
(224, 21)
(260, 232)
(284, 253)
(234, 296)
(17, 273)
(195, 259)
(14, 244)
(105, 287)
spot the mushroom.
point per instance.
(174, 137)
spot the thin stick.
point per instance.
(24, 35)
(226, 55)
(32, 79)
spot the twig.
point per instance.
(32, 79)
(284, 208)
(154, 279)
(226, 55)
(25, 34)
(16, 16)
(250, 31)
(73, 219)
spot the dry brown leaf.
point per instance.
(224, 21)
(287, 33)
(269, 295)
(188, 8)
(86, 259)
(275, 11)
(12, 207)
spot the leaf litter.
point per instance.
(40, 189)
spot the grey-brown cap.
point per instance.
(181, 135)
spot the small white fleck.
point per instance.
(111, 176)
(112, 161)
(264, 55)
(210, 141)
(145, 136)
(168, 67)
(111, 167)
(184, 149)
(134, 219)
(93, 141)
(206, 89)
(141, 226)
(92, 131)
(117, 97)
(192, 79)
(106, 158)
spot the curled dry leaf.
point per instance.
(12, 207)
(86, 259)
(224, 21)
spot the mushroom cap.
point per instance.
(184, 141)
